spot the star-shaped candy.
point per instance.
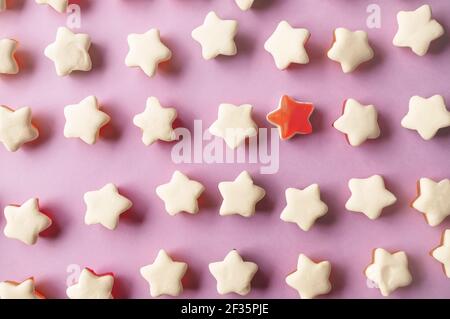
(359, 122)
(156, 122)
(303, 207)
(287, 45)
(234, 124)
(105, 206)
(164, 275)
(216, 36)
(244, 5)
(417, 29)
(311, 279)
(91, 286)
(442, 253)
(19, 290)
(16, 128)
(25, 222)
(84, 120)
(58, 5)
(8, 63)
(240, 196)
(389, 271)
(70, 52)
(427, 116)
(350, 49)
(147, 51)
(433, 200)
(180, 194)
(292, 117)
(369, 196)
(233, 274)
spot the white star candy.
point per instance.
(303, 207)
(69, 52)
(417, 29)
(369, 196)
(91, 286)
(147, 51)
(244, 5)
(442, 253)
(389, 271)
(234, 124)
(216, 36)
(8, 63)
(16, 128)
(84, 120)
(19, 290)
(287, 45)
(156, 122)
(433, 200)
(164, 275)
(58, 5)
(25, 222)
(180, 194)
(427, 116)
(310, 279)
(359, 122)
(105, 206)
(350, 49)
(240, 196)
(233, 274)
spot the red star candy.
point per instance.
(292, 117)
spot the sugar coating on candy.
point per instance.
(244, 5)
(433, 200)
(180, 194)
(69, 52)
(164, 275)
(147, 51)
(216, 36)
(359, 122)
(389, 271)
(19, 290)
(417, 29)
(350, 49)
(442, 253)
(287, 45)
(8, 63)
(16, 128)
(233, 274)
(91, 286)
(58, 5)
(310, 279)
(303, 206)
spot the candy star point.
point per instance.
(292, 117)
(369, 196)
(69, 52)
(389, 271)
(442, 253)
(240, 196)
(25, 222)
(164, 275)
(147, 51)
(104, 206)
(234, 124)
(16, 128)
(417, 29)
(303, 206)
(180, 194)
(19, 290)
(91, 286)
(427, 116)
(359, 122)
(287, 45)
(433, 200)
(350, 49)
(84, 120)
(58, 5)
(233, 274)
(244, 5)
(310, 279)
(8, 63)
(216, 36)
(156, 122)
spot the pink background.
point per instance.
(59, 171)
